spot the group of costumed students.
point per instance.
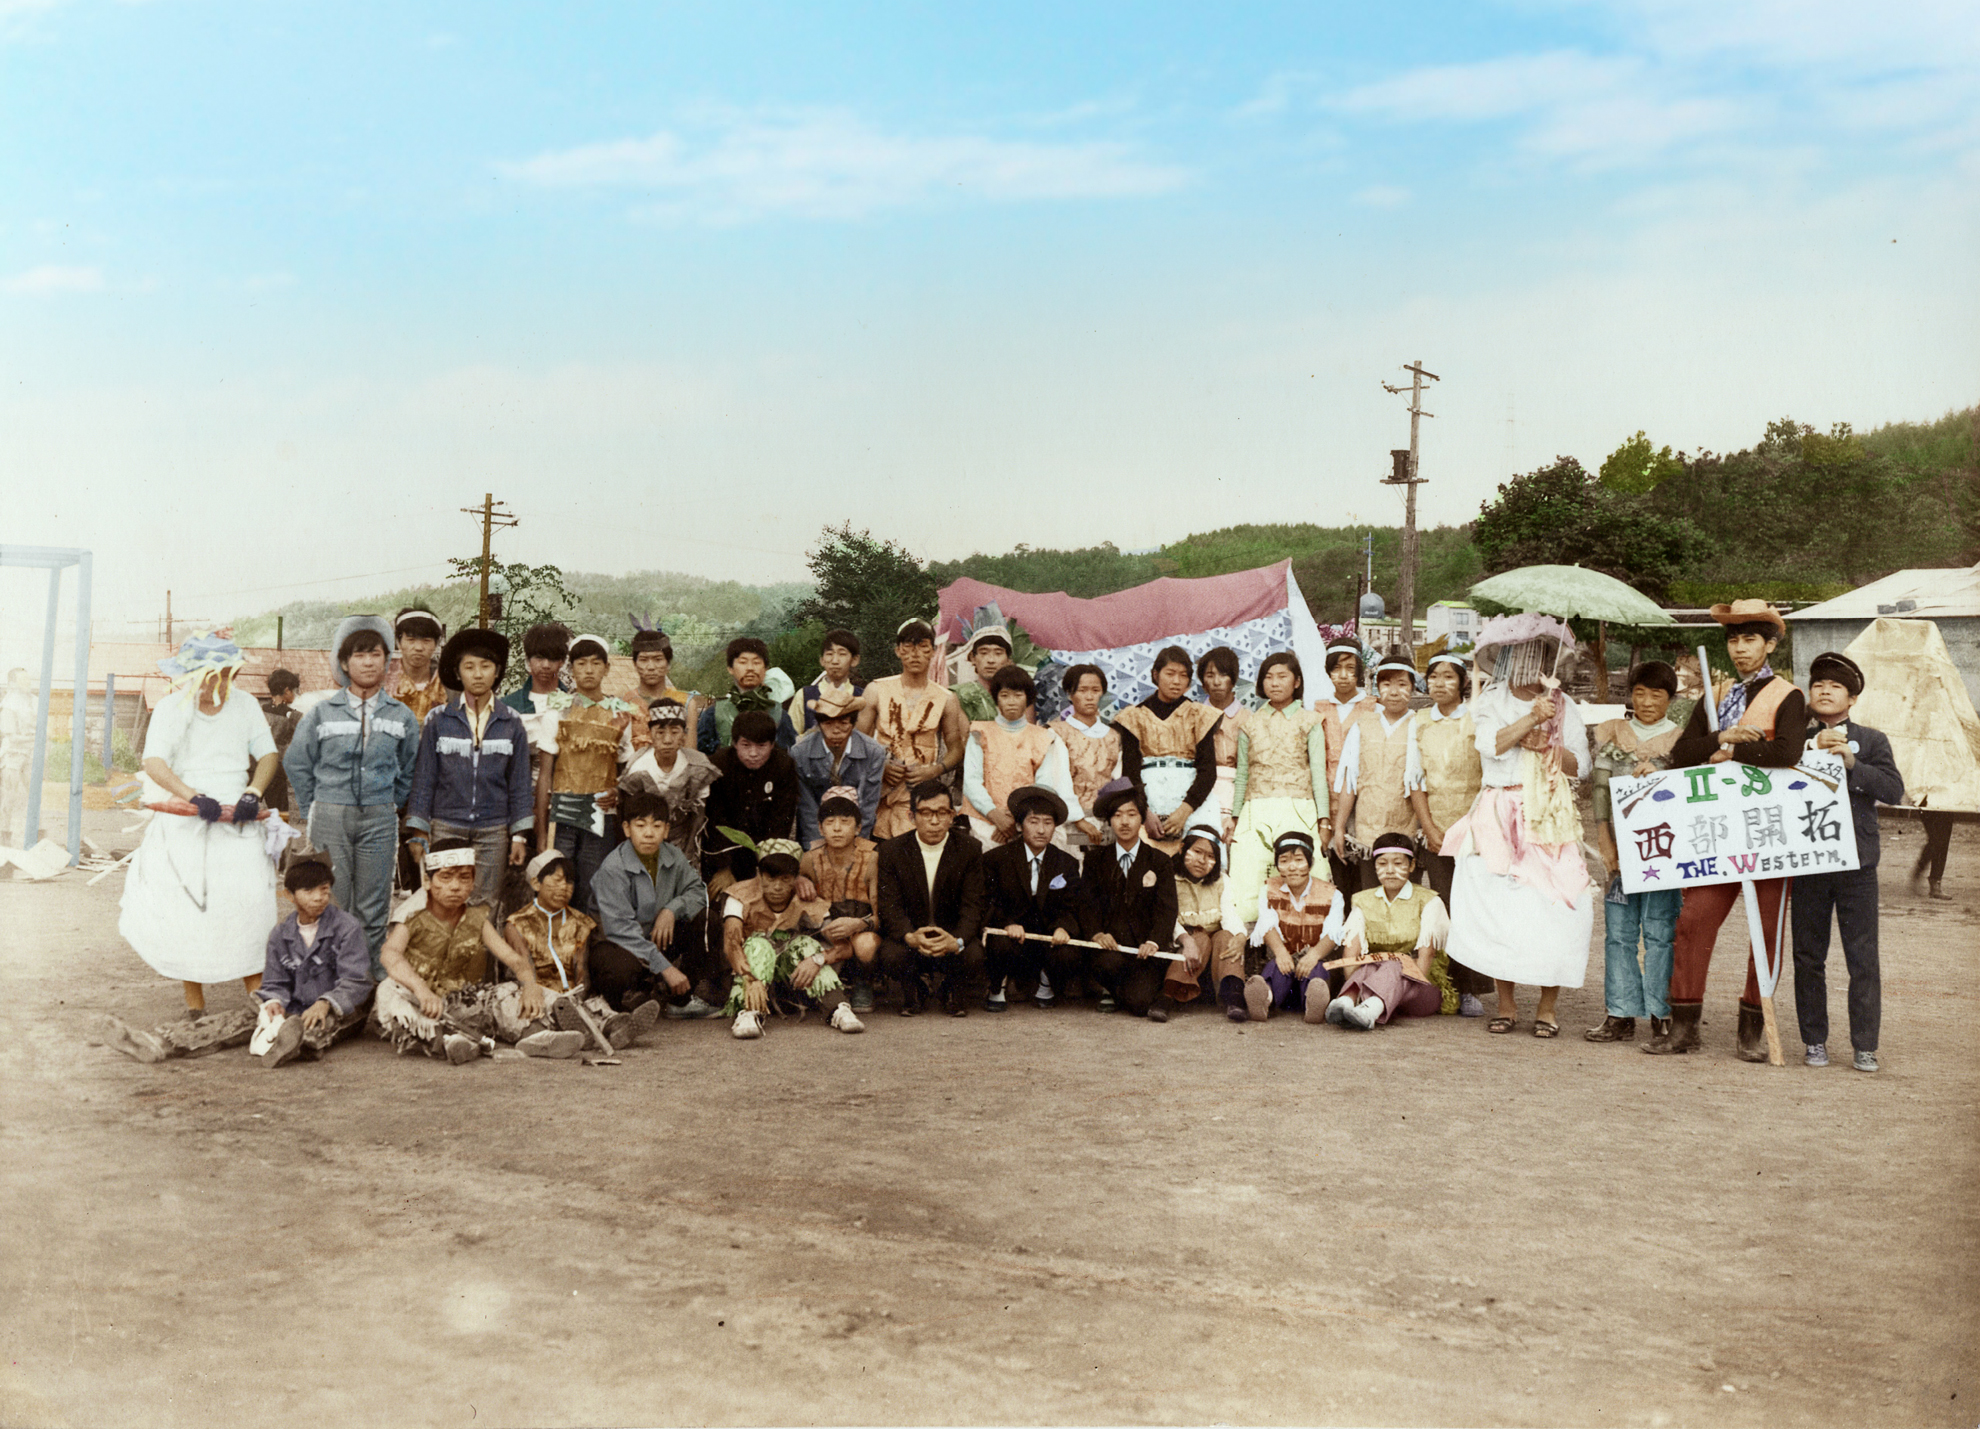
(1346, 858)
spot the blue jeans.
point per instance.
(361, 844)
(1628, 991)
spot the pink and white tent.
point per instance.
(1253, 612)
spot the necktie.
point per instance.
(1126, 857)
(1036, 860)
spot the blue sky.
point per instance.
(281, 287)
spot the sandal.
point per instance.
(1501, 1025)
(1546, 1029)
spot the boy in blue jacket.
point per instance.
(1834, 682)
(471, 779)
(350, 765)
(316, 987)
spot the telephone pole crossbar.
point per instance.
(492, 515)
(1407, 475)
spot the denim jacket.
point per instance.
(343, 755)
(337, 966)
(483, 785)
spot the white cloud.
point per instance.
(1381, 196)
(1492, 89)
(55, 278)
(834, 165)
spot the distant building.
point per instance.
(1454, 619)
(1949, 598)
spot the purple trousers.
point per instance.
(1282, 983)
(1401, 996)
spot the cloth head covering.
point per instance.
(1293, 838)
(1749, 612)
(1113, 794)
(210, 652)
(534, 870)
(1394, 843)
(420, 615)
(449, 858)
(1833, 665)
(351, 625)
(604, 649)
(778, 856)
(1204, 833)
(489, 644)
(666, 710)
(1032, 798)
(996, 633)
(835, 705)
(1517, 650)
(1446, 657)
(1396, 664)
(838, 794)
(1345, 647)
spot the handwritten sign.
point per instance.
(1720, 823)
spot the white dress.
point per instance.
(1502, 926)
(199, 901)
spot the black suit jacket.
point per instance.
(904, 902)
(1875, 780)
(759, 802)
(1136, 909)
(1007, 896)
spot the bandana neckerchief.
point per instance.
(1734, 704)
(759, 698)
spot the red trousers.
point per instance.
(1705, 908)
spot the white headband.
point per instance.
(597, 640)
(450, 858)
(416, 615)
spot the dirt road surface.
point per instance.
(1047, 1216)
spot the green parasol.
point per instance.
(1571, 591)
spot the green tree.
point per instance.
(868, 586)
(530, 595)
(1560, 515)
(1636, 467)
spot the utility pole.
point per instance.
(1406, 474)
(491, 516)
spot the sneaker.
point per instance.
(564, 1016)
(1469, 1006)
(1338, 1009)
(459, 1049)
(860, 997)
(1107, 1003)
(1257, 998)
(287, 1044)
(1817, 1056)
(640, 1021)
(1866, 1061)
(695, 1006)
(1045, 994)
(747, 1025)
(551, 1044)
(1363, 1014)
(843, 1019)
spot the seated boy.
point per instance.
(771, 939)
(1007, 753)
(436, 995)
(1030, 887)
(1870, 770)
(841, 871)
(838, 668)
(1299, 926)
(1368, 786)
(651, 914)
(316, 988)
(681, 776)
(1393, 940)
(931, 904)
(1635, 745)
(749, 674)
(557, 939)
(1128, 907)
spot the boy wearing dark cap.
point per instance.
(1030, 887)
(1128, 889)
(1871, 772)
(1762, 721)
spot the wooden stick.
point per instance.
(1082, 943)
(590, 1026)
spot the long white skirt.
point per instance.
(199, 901)
(1513, 932)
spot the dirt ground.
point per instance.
(1048, 1216)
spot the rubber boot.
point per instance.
(1613, 1029)
(1660, 1036)
(1684, 1031)
(1752, 1034)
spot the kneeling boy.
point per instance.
(316, 987)
(771, 938)
(557, 939)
